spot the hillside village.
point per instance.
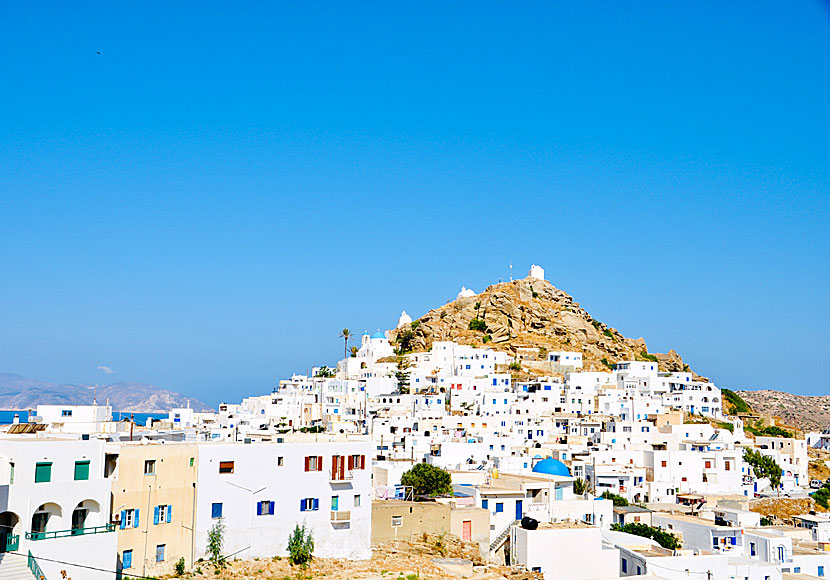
(572, 452)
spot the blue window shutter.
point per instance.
(316, 504)
(169, 513)
(271, 508)
(123, 519)
(156, 515)
(259, 508)
(135, 521)
(302, 505)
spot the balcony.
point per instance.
(73, 532)
(341, 475)
(338, 517)
(10, 544)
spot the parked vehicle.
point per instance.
(815, 483)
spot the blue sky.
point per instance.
(206, 203)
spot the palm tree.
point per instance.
(346, 335)
(353, 351)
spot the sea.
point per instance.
(7, 417)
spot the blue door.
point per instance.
(519, 509)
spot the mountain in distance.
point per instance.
(17, 393)
(532, 314)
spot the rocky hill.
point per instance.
(17, 392)
(532, 313)
(803, 412)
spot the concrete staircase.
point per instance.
(502, 537)
(15, 567)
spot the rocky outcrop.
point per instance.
(532, 313)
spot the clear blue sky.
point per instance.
(204, 205)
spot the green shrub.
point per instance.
(478, 325)
(486, 338)
(415, 324)
(735, 401)
(515, 366)
(665, 539)
(608, 333)
(648, 357)
(180, 566)
(604, 361)
(300, 546)
(617, 499)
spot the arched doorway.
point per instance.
(45, 519)
(85, 515)
(9, 531)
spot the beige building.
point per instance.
(400, 520)
(154, 496)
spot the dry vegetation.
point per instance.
(401, 560)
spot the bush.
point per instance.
(648, 357)
(427, 479)
(736, 403)
(486, 338)
(180, 566)
(604, 361)
(415, 324)
(617, 499)
(300, 546)
(478, 325)
(216, 538)
(665, 539)
(515, 366)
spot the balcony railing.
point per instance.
(338, 475)
(338, 516)
(10, 543)
(72, 532)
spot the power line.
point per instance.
(42, 559)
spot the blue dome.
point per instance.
(551, 466)
(378, 334)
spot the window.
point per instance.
(127, 559)
(162, 514)
(191, 462)
(43, 472)
(624, 565)
(226, 467)
(150, 467)
(81, 470)
(485, 503)
(397, 520)
(309, 504)
(335, 503)
(663, 464)
(727, 465)
(216, 511)
(66, 413)
(357, 500)
(314, 463)
(160, 553)
(11, 473)
(279, 461)
(499, 507)
(752, 548)
(265, 508)
(821, 571)
(130, 518)
(357, 461)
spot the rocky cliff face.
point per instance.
(532, 313)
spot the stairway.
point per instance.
(14, 567)
(500, 539)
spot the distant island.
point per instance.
(18, 392)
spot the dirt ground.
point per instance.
(401, 560)
(785, 508)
